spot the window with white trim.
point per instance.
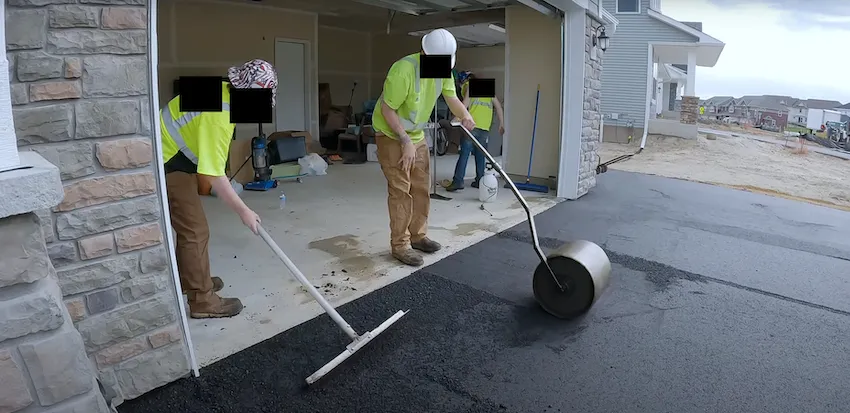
(628, 6)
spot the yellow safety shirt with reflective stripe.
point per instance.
(203, 137)
(412, 98)
(481, 110)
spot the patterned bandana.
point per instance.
(257, 73)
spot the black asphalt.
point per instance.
(720, 301)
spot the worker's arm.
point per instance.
(214, 145)
(391, 116)
(499, 113)
(450, 95)
(457, 107)
(466, 100)
(396, 86)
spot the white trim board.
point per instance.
(572, 98)
(159, 166)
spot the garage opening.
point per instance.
(331, 57)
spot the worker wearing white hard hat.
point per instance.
(404, 108)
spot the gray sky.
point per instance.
(799, 48)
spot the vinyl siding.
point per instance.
(624, 73)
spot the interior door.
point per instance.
(290, 61)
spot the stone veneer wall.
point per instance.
(80, 95)
(689, 113)
(591, 124)
(43, 363)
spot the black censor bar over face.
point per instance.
(482, 88)
(203, 94)
(438, 66)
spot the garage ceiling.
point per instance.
(370, 7)
(396, 16)
(482, 34)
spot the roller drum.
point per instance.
(584, 268)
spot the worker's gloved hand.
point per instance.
(251, 220)
(468, 123)
(408, 155)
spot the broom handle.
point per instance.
(533, 132)
(309, 286)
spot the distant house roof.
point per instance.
(847, 106)
(770, 102)
(822, 104)
(718, 100)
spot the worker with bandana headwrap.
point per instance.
(198, 143)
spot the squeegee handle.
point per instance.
(514, 189)
(308, 285)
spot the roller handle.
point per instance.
(519, 198)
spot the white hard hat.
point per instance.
(440, 41)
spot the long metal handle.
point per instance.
(519, 198)
(309, 286)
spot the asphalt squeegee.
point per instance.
(358, 341)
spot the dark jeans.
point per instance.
(466, 146)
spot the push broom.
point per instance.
(357, 341)
(527, 185)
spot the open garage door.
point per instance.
(333, 55)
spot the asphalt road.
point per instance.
(721, 301)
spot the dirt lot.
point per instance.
(741, 163)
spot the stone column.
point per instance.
(80, 95)
(690, 110)
(591, 131)
(43, 362)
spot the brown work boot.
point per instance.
(426, 245)
(409, 257)
(214, 306)
(218, 284)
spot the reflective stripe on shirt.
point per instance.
(173, 127)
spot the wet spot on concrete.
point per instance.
(349, 254)
(467, 229)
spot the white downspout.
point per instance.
(649, 91)
(9, 158)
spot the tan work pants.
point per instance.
(408, 197)
(193, 235)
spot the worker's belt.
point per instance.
(173, 127)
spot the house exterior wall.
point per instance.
(80, 90)
(625, 74)
(772, 118)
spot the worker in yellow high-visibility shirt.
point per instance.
(197, 143)
(481, 110)
(404, 109)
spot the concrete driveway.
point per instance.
(721, 301)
